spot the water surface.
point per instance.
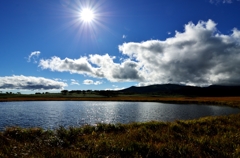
(52, 114)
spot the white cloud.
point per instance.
(80, 65)
(200, 55)
(29, 83)
(101, 66)
(124, 36)
(115, 88)
(34, 55)
(97, 82)
(221, 1)
(90, 82)
(74, 82)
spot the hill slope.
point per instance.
(174, 89)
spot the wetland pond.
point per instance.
(52, 114)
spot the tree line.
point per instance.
(107, 93)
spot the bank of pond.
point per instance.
(207, 135)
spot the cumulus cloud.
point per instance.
(74, 82)
(200, 55)
(90, 82)
(34, 55)
(101, 66)
(29, 83)
(80, 65)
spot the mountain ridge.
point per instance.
(175, 89)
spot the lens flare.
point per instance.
(87, 15)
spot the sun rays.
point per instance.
(87, 15)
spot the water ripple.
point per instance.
(52, 114)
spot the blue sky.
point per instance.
(46, 46)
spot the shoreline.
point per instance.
(225, 101)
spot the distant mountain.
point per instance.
(174, 89)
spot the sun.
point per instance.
(87, 15)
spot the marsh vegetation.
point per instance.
(205, 137)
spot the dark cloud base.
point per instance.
(29, 83)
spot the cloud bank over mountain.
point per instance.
(200, 55)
